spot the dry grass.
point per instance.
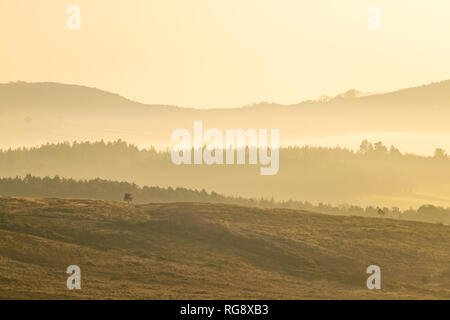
(213, 251)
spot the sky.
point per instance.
(217, 53)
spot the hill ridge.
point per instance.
(444, 84)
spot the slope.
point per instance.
(205, 251)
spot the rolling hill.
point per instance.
(206, 251)
(37, 113)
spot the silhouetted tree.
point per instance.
(440, 154)
(127, 197)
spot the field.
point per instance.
(213, 251)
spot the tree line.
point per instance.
(372, 175)
(57, 187)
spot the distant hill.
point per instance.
(58, 96)
(213, 251)
(36, 113)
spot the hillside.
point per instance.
(37, 113)
(203, 251)
(60, 97)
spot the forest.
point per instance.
(374, 175)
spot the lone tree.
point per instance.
(381, 213)
(127, 197)
(440, 154)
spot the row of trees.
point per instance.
(378, 148)
(317, 174)
(76, 150)
(31, 186)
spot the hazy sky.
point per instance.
(228, 53)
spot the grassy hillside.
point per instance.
(202, 251)
(36, 113)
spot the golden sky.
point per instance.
(226, 53)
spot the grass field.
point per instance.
(213, 251)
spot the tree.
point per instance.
(393, 151)
(127, 197)
(440, 154)
(366, 147)
(379, 148)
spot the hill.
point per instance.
(66, 97)
(37, 113)
(205, 251)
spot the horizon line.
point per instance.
(249, 105)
